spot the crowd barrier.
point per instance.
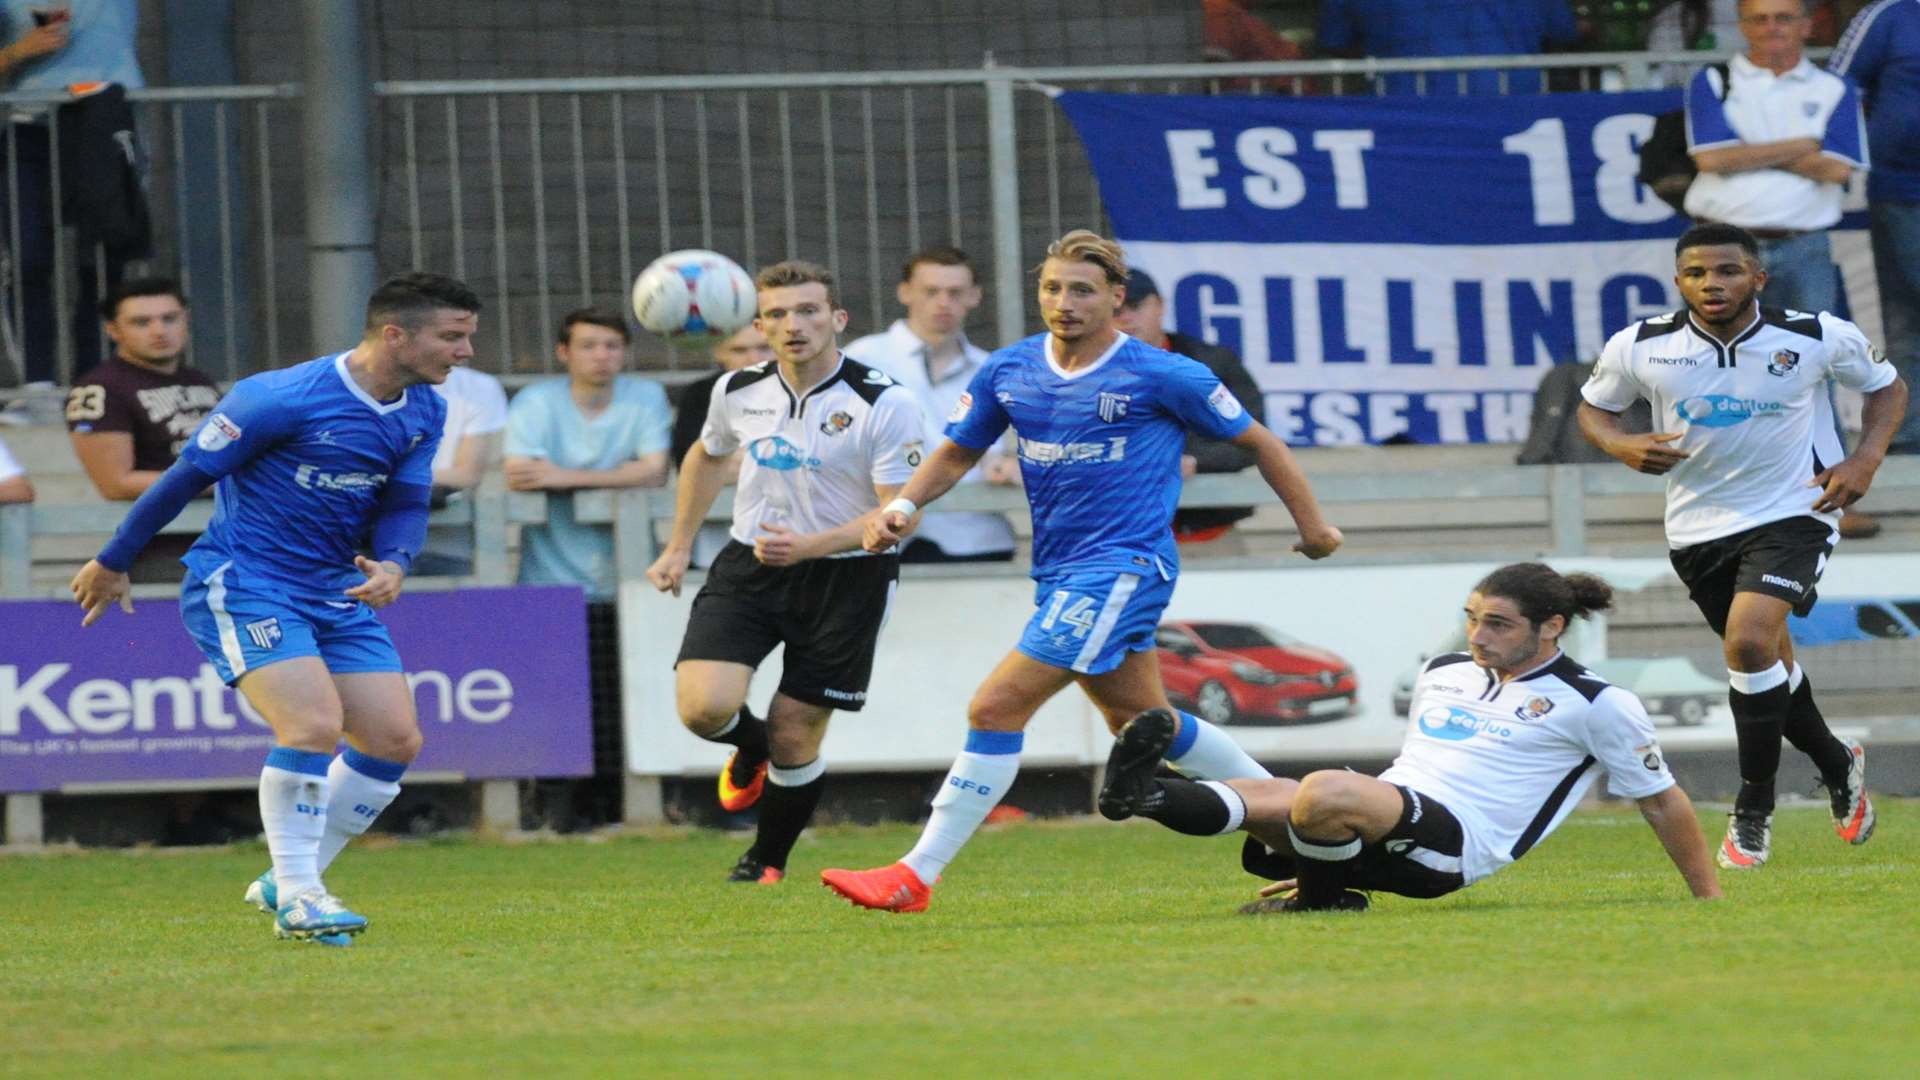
(949, 613)
(547, 194)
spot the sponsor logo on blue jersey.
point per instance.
(1722, 410)
(1459, 725)
(311, 478)
(1079, 453)
(774, 452)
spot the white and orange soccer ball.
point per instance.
(693, 294)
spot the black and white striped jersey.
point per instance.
(812, 459)
(1755, 415)
(1512, 759)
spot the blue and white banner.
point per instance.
(1395, 266)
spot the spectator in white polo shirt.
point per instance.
(1775, 150)
(928, 353)
(1775, 154)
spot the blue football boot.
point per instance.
(264, 893)
(316, 915)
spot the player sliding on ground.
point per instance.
(1502, 740)
(1102, 420)
(310, 463)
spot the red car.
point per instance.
(1238, 673)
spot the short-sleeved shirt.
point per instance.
(1761, 107)
(1755, 415)
(160, 410)
(303, 456)
(1099, 446)
(1512, 759)
(1412, 28)
(812, 460)
(100, 44)
(9, 466)
(1880, 52)
(544, 422)
(903, 356)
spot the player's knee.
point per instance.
(705, 713)
(317, 731)
(1323, 798)
(401, 746)
(986, 713)
(1749, 651)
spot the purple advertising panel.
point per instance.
(499, 678)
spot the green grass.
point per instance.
(1052, 949)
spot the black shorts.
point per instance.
(1402, 862)
(827, 612)
(1782, 559)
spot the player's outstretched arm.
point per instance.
(1647, 453)
(935, 477)
(701, 477)
(1673, 820)
(1283, 474)
(1880, 415)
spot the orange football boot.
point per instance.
(893, 888)
(737, 797)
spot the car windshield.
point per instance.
(1237, 636)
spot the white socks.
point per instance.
(363, 786)
(1204, 752)
(293, 813)
(979, 778)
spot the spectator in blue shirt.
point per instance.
(592, 428)
(1880, 52)
(1400, 29)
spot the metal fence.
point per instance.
(552, 194)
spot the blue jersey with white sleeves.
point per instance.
(302, 456)
(1099, 447)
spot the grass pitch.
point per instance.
(1052, 949)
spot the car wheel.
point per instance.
(1214, 703)
(1692, 712)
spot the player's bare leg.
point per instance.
(996, 719)
(795, 730)
(298, 700)
(711, 697)
(1331, 816)
(1198, 749)
(1761, 698)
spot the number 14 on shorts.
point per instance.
(1075, 611)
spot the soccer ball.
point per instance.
(693, 294)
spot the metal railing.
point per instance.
(550, 194)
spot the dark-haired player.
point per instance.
(826, 440)
(310, 462)
(1502, 741)
(1756, 483)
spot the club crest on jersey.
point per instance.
(1784, 362)
(1533, 709)
(961, 408)
(837, 424)
(217, 433)
(265, 633)
(1225, 403)
(1112, 407)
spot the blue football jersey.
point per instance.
(1099, 447)
(302, 455)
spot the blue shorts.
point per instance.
(1089, 622)
(242, 625)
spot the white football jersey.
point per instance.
(1755, 415)
(812, 460)
(1512, 759)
